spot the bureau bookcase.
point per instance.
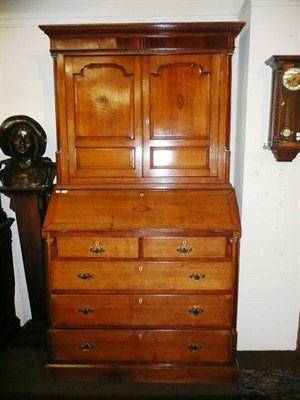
(142, 229)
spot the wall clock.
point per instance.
(284, 133)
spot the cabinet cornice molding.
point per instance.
(142, 28)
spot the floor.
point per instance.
(22, 377)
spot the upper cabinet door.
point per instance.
(102, 118)
(143, 104)
(181, 115)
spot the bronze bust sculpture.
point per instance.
(22, 138)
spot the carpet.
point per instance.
(273, 384)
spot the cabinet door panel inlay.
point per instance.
(180, 93)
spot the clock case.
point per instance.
(285, 106)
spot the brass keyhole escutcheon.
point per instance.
(97, 249)
(184, 249)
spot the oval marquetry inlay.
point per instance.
(180, 101)
(141, 208)
(103, 102)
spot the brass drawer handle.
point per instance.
(195, 347)
(184, 249)
(85, 276)
(97, 249)
(86, 346)
(197, 277)
(85, 310)
(196, 310)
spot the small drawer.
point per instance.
(164, 276)
(145, 346)
(159, 311)
(93, 247)
(190, 247)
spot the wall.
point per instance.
(268, 192)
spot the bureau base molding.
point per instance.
(160, 373)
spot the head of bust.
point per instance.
(24, 140)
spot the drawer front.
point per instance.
(86, 276)
(148, 346)
(142, 310)
(92, 247)
(191, 247)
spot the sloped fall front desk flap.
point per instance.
(121, 210)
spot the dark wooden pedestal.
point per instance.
(30, 207)
(8, 320)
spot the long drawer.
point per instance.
(141, 310)
(158, 276)
(145, 346)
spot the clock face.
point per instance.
(291, 79)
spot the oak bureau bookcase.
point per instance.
(142, 230)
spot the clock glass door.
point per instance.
(290, 105)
